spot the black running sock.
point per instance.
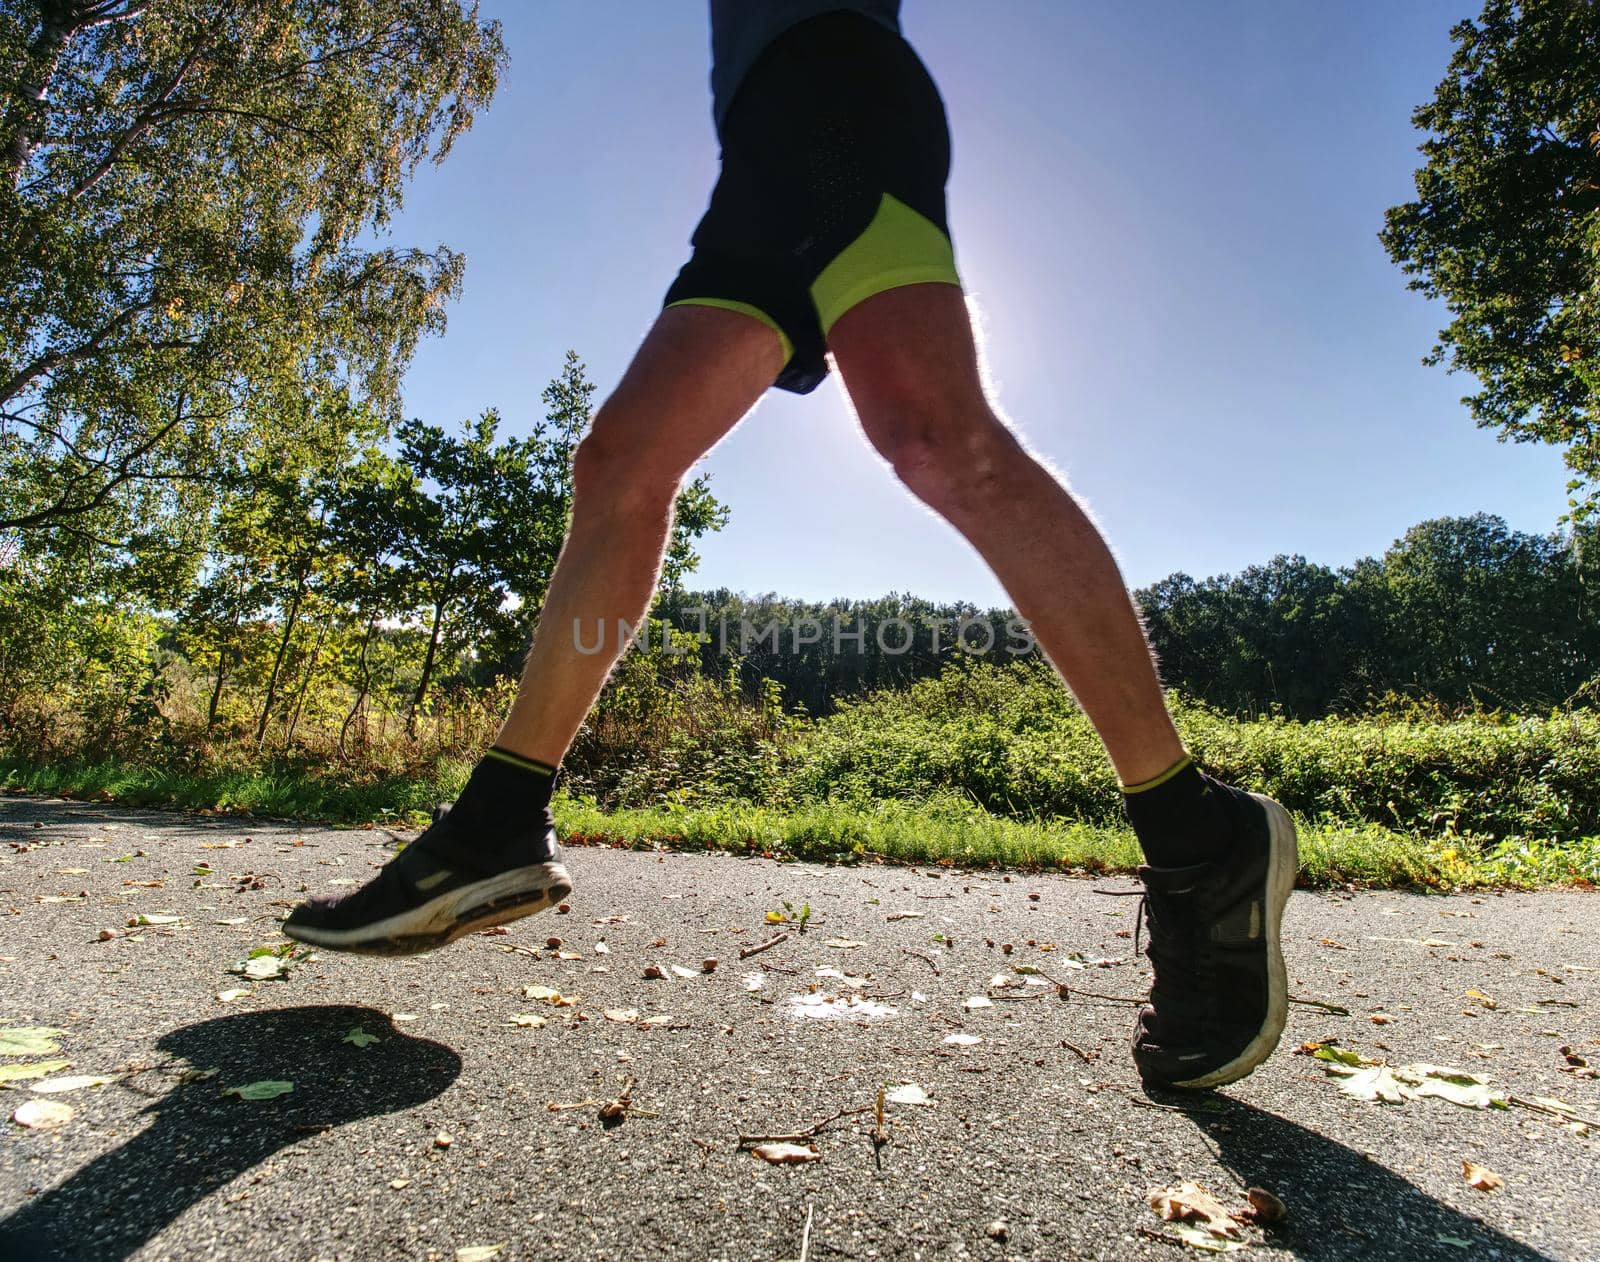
(1181, 817)
(506, 803)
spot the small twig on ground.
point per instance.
(1066, 992)
(810, 1132)
(1171, 1108)
(931, 896)
(1522, 1102)
(926, 959)
(1317, 1003)
(1076, 1050)
(746, 952)
(805, 1236)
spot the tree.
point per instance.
(186, 189)
(1506, 224)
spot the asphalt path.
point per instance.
(453, 1132)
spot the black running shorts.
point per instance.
(835, 153)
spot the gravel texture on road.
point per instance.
(450, 1131)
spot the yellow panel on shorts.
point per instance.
(899, 247)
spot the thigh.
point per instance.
(696, 374)
(909, 354)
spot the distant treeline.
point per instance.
(1460, 610)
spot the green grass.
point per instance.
(941, 829)
(283, 793)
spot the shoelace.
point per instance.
(1177, 973)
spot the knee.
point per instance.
(955, 459)
(616, 468)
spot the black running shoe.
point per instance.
(438, 888)
(1221, 995)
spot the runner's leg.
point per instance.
(698, 372)
(911, 368)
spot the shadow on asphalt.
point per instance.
(1341, 1205)
(198, 1140)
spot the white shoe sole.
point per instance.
(482, 905)
(1283, 862)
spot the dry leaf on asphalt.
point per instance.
(1191, 1201)
(910, 1093)
(786, 1154)
(623, 1016)
(1265, 1206)
(264, 1090)
(963, 1040)
(32, 1040)
(1481, 1177)
(38, 1069)
(73, 1082)
(844, 944)
(550, 996)
(41, 1115)
(526, 1020)
(679, 971)
(479, 1252)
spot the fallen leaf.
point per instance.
(527, 1020)
(655, 1021)
(228, 996)
(1191, 1201)
(1481, 1177)
(262, 968)
(550, 996)
(32, 1040)
(680, 971)
(43, 1115)
(910, 1093)
(623, 1016)
(361, 1038)
(844, 944)
(156, 919)
(73, 1082)
(265, 1090)
(38, 1069)
(1265, 1206)
(1375, 1083)
(1198, 1238)
(978, 1001)
(403, 1016)
(963, 1040)
(479, 1252)
(786, 1154)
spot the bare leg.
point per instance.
(909, 362)
(699, 370)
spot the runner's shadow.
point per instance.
(198, 1139)
(1342, 1205)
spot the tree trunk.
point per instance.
(216, 693)
(305, 686)
(283, 650)
(58, 20)
(361, 692)
(427, 668)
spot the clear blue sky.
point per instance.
(1166, 211)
